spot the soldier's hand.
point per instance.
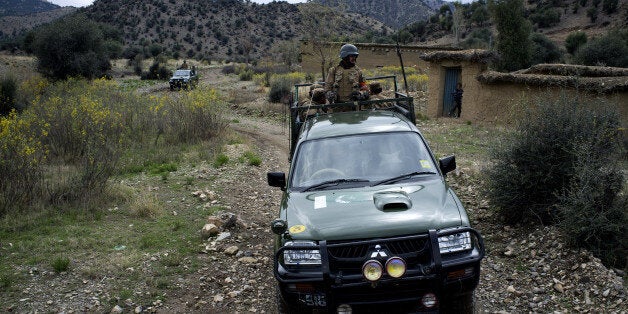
(331, 96)
(363, 95)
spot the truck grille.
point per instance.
(348, 257)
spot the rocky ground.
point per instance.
(526, 270)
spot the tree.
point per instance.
(72, 46)
(319, 23)
(513, 38)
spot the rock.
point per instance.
(218, 298)
(216, 221)
(116, 310)
(208, 231)
(247, 260)
(232, 250)
(223, 236)
(511, 289)
(559, 287)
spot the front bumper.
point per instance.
(339, 280)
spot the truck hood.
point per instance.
(380, 211)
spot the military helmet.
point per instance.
(348, 50)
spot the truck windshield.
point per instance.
(360, 158)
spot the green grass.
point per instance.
(469, 142)
(220, 160)
(251, 158)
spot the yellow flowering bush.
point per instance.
(21, 156)
(193, 117)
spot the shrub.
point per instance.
(251, 158)
(543, 158)
(417, 82)
(60, 264)
(609, 6)
(21, 157)
(191, 118)
(157, 72)
(281, 85)
(228, 69)
(608, 50)
(220, 160)
(544, 50)
(8, 91)
(246, 75)
(546, 18)
(84, 137)
(592, 210)
(574, 41)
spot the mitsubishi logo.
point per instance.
(378, 252)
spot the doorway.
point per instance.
(452, 76)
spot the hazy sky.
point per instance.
(82, 3)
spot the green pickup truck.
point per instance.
(367, 222)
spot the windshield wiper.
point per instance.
(332, 182)
(402, 177)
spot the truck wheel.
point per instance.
(459, 303)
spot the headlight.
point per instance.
(372, 270)
(301, 257)
(395, 267)
(454, 243)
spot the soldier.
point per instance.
(375, 89)
(184, 65)
(345, 81)
(317, 97)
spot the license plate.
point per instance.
(313, 299)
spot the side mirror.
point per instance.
(447, 164)
(277, 179)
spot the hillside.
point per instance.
(221, 29)
(25, 7)
(240, 30)
(394, 13)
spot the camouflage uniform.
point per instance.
(317, 98)
(345, 81)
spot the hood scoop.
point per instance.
(392, 201)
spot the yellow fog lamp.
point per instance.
(372, 270)
(395, 267)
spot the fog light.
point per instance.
(429, 300)
(344, 309)
(372, 270)
(395, 267)
(460, 273)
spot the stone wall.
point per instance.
(371, 55)
(499, 102)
